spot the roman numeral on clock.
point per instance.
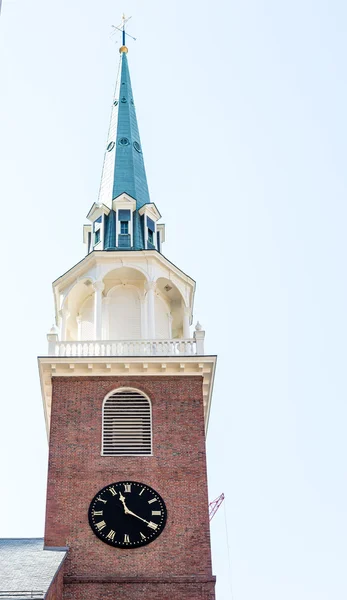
(101, 500)
(126, 539)
(110, 535)
(101, 525)
(127, 488)
(152, 525)
(151, 501)
(97, 513)
(156, 513)
(113, 491)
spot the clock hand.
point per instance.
(130, 512)
(122, 499)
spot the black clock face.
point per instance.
(127, 514)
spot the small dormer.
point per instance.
(94, 234)
(149, 216)
(124, 208)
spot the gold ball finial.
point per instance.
(123, 49)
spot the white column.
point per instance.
(106, 317)
(150, 288)
(186, 315)
(98, 287)
(79, 327)
(144, 314)
(64, 314)
(170, 318)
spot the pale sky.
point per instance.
(242, 116)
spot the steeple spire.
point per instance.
(124, 169)
(129, 170)
(124, 218)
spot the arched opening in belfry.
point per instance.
(170, 310)
(78, 312)
(123, 304)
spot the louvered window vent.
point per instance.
(127, 424)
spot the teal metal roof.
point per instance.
(110, 232)
(124, 168)
(129, 167)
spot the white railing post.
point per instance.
(199, 336)
(52, 338)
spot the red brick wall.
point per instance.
(160, 591)
(177, 470)
(55, 590)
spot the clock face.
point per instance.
(127, 514)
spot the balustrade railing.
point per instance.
(124, 348)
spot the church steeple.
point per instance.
(123, 217)
(127, 391)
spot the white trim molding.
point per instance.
(98, 366)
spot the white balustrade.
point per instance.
(186, 347)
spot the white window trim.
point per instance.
(100, 228)
(145, 233)
(118, 233)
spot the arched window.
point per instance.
(126, 424)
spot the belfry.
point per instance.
(127, 392)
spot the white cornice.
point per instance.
(97, 210)
(124, 201)
(150, 209)
(104, 256)
(123, 366)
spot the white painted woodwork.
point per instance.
(98, 287)
(64, 318)
(125, 348)
(151, 275)
(162, 319)
(124, 312)
(118, 366)
(150, 289)
(86, 318)
(186, 316)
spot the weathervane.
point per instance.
(121, 28)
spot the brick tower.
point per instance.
(127, 393)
